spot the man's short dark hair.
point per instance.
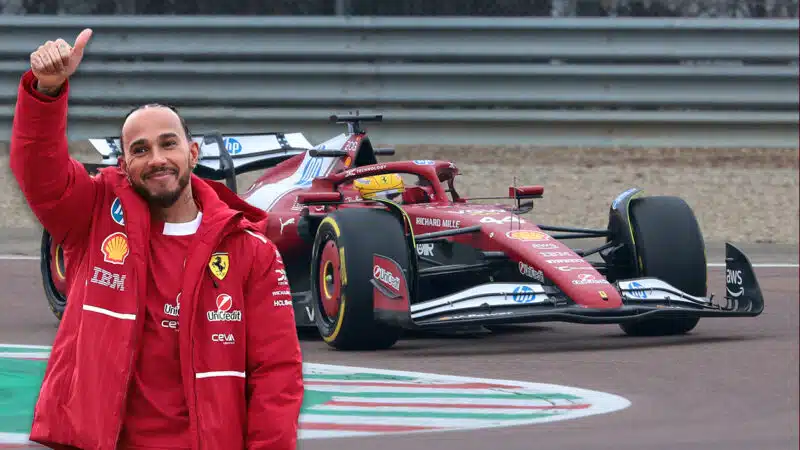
(154, 105)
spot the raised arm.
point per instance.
(57, 187)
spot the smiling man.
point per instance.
(194, 343)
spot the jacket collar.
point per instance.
(220, 205)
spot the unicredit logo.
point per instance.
(223, 312)
(385, 276)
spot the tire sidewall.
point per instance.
(55, 300)
(358, 234)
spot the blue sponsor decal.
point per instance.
(523, 294)
(116, 212)
(311, 170)
(232, 146)
(638, 294)
(424, 162)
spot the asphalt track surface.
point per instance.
(731, 384)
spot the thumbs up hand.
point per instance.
(54, 62)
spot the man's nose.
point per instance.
(157, 156)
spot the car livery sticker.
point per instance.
(116, 212)
(115, 248)
(527, 235)
(345, 401)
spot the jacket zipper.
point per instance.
(226, 230)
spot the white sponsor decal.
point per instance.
(529, 271)
(279, 293)
(734, 277)
(283, 224)
(108, 279)
(172, 311)
(588, 278)
(362, 170)
(473, 212)
(310, 313)
(564, 261)
(551, 254)
(386, 277)
(224, 338)
(569, 268)
(223, 312)
(544, 246)
(425, 249)
(351, 145)
(506, 219)
(282, 280)
(282, 303)
(436, 222)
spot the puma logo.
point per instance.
(283, 224)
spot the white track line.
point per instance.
(763, 265)
(770, 265)
(25, 346)
(18, 258)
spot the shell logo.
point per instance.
(115, 248)
(527, 235)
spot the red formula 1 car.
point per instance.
(373, 247)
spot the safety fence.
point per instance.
(488, 81)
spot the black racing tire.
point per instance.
(670, 246)
(52, 260)
(343, 251)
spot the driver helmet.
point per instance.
(388, 186)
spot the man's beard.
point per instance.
(166, 199)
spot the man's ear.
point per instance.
(194, 153)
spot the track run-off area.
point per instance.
(730, 384)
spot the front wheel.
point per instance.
(53, 270)
(341, 273)
(670, 247)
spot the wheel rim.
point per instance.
(329, 279)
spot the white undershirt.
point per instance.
(183, 229)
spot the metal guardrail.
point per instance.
(589, 82)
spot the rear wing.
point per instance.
(224, 156)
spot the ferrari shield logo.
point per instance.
(219, 265)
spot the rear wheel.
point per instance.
(341, 270)
(53, 270)
(670, 246)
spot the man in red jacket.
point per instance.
(179, 331)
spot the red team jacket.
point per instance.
(245, 395)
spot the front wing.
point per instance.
(642, 298)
